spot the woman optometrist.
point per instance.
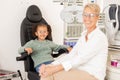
(87, 60)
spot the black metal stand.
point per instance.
(20, 74)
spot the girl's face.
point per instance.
(41, 32)
(90, 18)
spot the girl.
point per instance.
(42, 47)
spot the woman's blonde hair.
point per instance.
(94, 7)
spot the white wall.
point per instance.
(12, 13)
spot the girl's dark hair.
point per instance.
(49, 37)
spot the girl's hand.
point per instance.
(69, 49)
(29, 50)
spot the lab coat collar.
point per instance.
(91, 33)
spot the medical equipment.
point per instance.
(115, 60)
(72, 14)
(113, 65)
(69, 2)
(72, 17)
(112, 23)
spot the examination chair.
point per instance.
(33, 17)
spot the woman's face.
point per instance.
(90, 18)
(41, 32)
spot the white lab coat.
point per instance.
(90, 56)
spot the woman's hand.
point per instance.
(42, 69)
(47, 70)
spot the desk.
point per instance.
(8, 75)
(113, 71)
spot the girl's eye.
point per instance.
(42, 31)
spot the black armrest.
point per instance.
(23, 56)
(28, 62)
(61, 51)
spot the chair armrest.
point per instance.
(61, 51)
(28, 62)
(23, 57)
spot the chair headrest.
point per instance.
(33, 13)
